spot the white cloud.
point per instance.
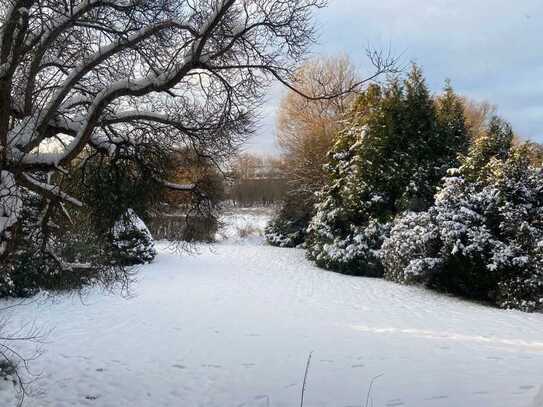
(490, 49)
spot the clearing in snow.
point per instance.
(233, 326)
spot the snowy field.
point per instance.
(233, 325)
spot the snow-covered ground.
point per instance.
(233, 326)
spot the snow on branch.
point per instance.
(178, 187)
(103, 75)
(51, 191)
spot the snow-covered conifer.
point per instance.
(132, 242)
(397, 145)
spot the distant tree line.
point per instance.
(255, 180)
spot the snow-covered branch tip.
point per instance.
(178, 187)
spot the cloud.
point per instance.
(490, 49)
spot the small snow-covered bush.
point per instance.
(246, 231)
(289, 227)
(132, 241)
(482, 239)
(410, 254)
(284, 233)
(355, 252)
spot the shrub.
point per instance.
(8, 369)
(411, 252)
(356, 252)
(483, 239)
(76, 258)
(396, 146)
(288, 228)
(246, 231)
(132, 242)
(284, 233)
(23, 272)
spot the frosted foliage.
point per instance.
(359, 247)
(132, 240)
(405, 254)
(493, 231)
(336, 240)
(131, 221)
(389, 158)
(277, 238)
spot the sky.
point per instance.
(491, 50)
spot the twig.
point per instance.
(305, 378)
(9, 355)
(370, 388)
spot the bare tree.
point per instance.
(477, 115)
(105, 75)
(306, 127)
(255, 180)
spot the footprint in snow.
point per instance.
(394, 403)
(437, 398)
(178, 366)
(261, 397)
(357, 366)
(526, 387)
(480, 392)
(247, 365)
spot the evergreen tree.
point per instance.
(132, 242)
(396, 146)
(453, 130)
(335, 240)
(493, 145)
